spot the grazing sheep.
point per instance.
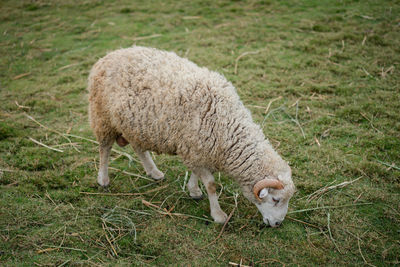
(157, 101)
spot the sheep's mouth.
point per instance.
(269, 224)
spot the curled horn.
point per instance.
(266, 183)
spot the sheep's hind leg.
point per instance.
(148, 164)
(193, 187)
(208, 180)
(104, 149)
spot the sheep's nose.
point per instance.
(278, 223)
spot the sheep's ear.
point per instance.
(263, 193)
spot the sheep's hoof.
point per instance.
(103, 181)
(156, 175)
(219, 216)
(196, 197)
(194, 192)
(105, 186)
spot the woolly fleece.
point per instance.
(164, 103)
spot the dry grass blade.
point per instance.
(242, 55)
(367, 73)
(363, 41)
(226, 222)
(51, 130)
(46, 146)
(161, 211)
(49, 197)
(303, 222)
(64, 263)
(296, 120)
(47, 128)
(385, 72)
(330, 207)
(21, 76)
(326, 189)
(370, 122)
(238, 264)
(126, 194)
(191, 17)
(110, 194)
(130, 158)
(132, 174)
(184, 181)
(21, 106)
(57, 247)
(270, 103)
(68, 66)
(149, 204)
(317, 141)
(82, 138)
(118, 224)
(391, 166)
(108, 240)
(330, 233)
(146, 37)
(362, 256)
(45, 250)
(222, 229)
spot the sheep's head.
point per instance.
(272, 198)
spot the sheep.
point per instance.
(157, 101)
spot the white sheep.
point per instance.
(157, 101)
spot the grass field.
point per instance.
(321, 77)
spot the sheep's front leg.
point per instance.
(193, 187)
(104, 149)
(208, 180)
(148, 164)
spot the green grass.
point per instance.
(335, 65)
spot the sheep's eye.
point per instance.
(276, 200)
